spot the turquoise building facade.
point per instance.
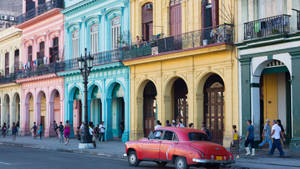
(102, 27)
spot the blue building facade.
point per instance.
(103, 28)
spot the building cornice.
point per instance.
(36, 78)
(39, 18)
(9, 33)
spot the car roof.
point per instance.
(181, 132)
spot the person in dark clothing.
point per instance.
(282, 138)
(61, 132)
(40, 132)
(34, 130)
(4, 129)
(55, 127)
(205, 129)
(250, 139)
(168, 123)
(14, 131)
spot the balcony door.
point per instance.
(6, 63)
(147, 21)
(17, 59)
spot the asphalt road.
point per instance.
(12, 157)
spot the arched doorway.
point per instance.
(16, 109)
(96, 105)
(118, 111)
(6, 113)
(55, 110)
(149, 107)
(275, 95)
(75, 116)
(180, 103)
(214, 107)
(41, 109)
(29, 110)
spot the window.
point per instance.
(147, 21)
(54, 51)
(115, 32)
(210, 13)
(6, 63)
(194, 136)
(17, 57)
(94, 38)
(29, 54)
(41, 53)
(156, 135)
(30, 5)
(75, 44)
(171, 136)
(175, 17)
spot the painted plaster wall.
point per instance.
(36, 86)
(11, 91)
(191, 15)
(43, 28)
(194, 67)
(105, 77)
(10, 40)
(82, 15)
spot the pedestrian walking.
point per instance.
(18, 127)
(235, 144)
(34, 130)
(275, 134)
(78, 133)
(96, 132)
(61, 132)
(266, 135)
(250, 139)
(14, 131)
(40, 131)
(4, 130)
(180, 124)
(173, 123)
(55, 127)
(191, 125)
(122, 127)
(282, 138)
(205, 129)
(92, 133)
(102, 132)
(168, 123)
(67, 131)
(158, 125)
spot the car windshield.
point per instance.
(194, 136)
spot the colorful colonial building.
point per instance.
(10, 92)
(42, 47)
(102, 27)
(269, 52)
(185, 67)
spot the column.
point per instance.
(50, 117)
(125, 134)
(12, 111)
(100, 30)
(37, 111)
(47, 47)
(107, 119)
(61, 110)
(245, 94)
(295, 97)
(69, 116)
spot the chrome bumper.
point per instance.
(124, 155)
(206, 161)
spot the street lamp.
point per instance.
(85, 65)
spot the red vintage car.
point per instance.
(182, 146)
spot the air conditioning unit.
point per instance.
(148, 6)
(5, 17)
(12, 18)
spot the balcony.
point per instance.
(42, 8)
(191, 40)
(267, 27)
(8, 78)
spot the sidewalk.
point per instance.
(107, 149)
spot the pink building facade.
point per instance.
(42, 49)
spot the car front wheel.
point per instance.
(132, 159)
(180, 163)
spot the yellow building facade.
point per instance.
(193, 83)
(10, 59)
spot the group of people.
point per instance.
(14, 130)
(273, 135)
(179, 123)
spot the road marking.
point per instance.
(4, 163)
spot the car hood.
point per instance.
(209, 147)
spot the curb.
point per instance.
(78, 151)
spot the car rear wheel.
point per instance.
(161, 164)
(132, 159)
(180, 163)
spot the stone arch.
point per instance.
(29, 112)
(42, 116)
(6, 118)
(16, 108)
(55, 108)
(173, 99)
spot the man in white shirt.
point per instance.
(158, 125)
(275, 134)
(102, 131)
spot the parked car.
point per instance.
(183, 147)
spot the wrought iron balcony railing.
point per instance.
(38, 71)
(8, 78)
(42, 8)
(267, 27)
(190, 40)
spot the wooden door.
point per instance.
(149, 115)
(6, 64)
(175, 20)
(270, 96)
(214, 113)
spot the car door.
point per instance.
(151, 146)
(167, 145)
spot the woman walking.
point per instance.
(4, 128)
(14, 131)
(40, 131)
(67, 132)
(235, 144)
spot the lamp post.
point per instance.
(85, 65)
